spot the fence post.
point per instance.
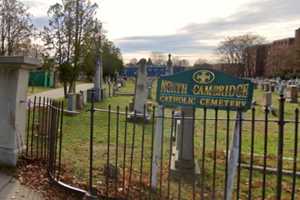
(89, 194)
(281, 123)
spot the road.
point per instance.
(59, 93)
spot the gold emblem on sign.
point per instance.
(203, 77)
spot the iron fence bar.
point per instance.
(48, 128)
(54, 138)
(203, 153)
(251, 154)
(43, 128)
(28, 128)
(51, 141)
(193, 153)
(270, 170)
(240, 156)
(171, 152)
(295, 154)
(108, 152)
(32, 128)
(132, 153)
(207, 119)
(265, 151)
(227, 149)
(60, 139)
(125, 148)
(57, 125)
(142, 151)
(161, 155)
(215, 154)
(182, 123)
(117, 146)
(280, 147)
(151, 151)
(38, 128)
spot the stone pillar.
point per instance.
(183, 163)
(141, 92)
(14, 74)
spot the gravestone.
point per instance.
(292, 94)
(98, 80)
(79, 101)
(14, 73)
(71, 105)
(84, 96)
(141, 93)
(268, 99)
(183, 161)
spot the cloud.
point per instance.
(203, 37)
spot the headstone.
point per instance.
(71, 106)
(84, 96)
(266, 87)
(98, 81)
(183, 161)
(268, 99)
(14, 73)
(292, 94)
(79, 101)
(141, 92)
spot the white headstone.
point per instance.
(141, 89)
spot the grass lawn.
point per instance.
(131, 136)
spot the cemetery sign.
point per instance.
(205, 88)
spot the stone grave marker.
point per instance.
(268, 99)
(292, 94)
(71, 104)
(183, 162)
(141, 93)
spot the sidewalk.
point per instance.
(59, 93)
(11, 189)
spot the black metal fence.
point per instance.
(121, 164)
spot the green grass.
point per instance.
(77, 134)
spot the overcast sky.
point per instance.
(186, 28)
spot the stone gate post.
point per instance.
(14, 74)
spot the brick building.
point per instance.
(274, 59)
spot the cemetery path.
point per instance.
(10, 189)
(59, 93)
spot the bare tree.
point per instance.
(16, 27)
(158, 58)
(177, 61)
(132, 61)
(232, 49)
(200, 61)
